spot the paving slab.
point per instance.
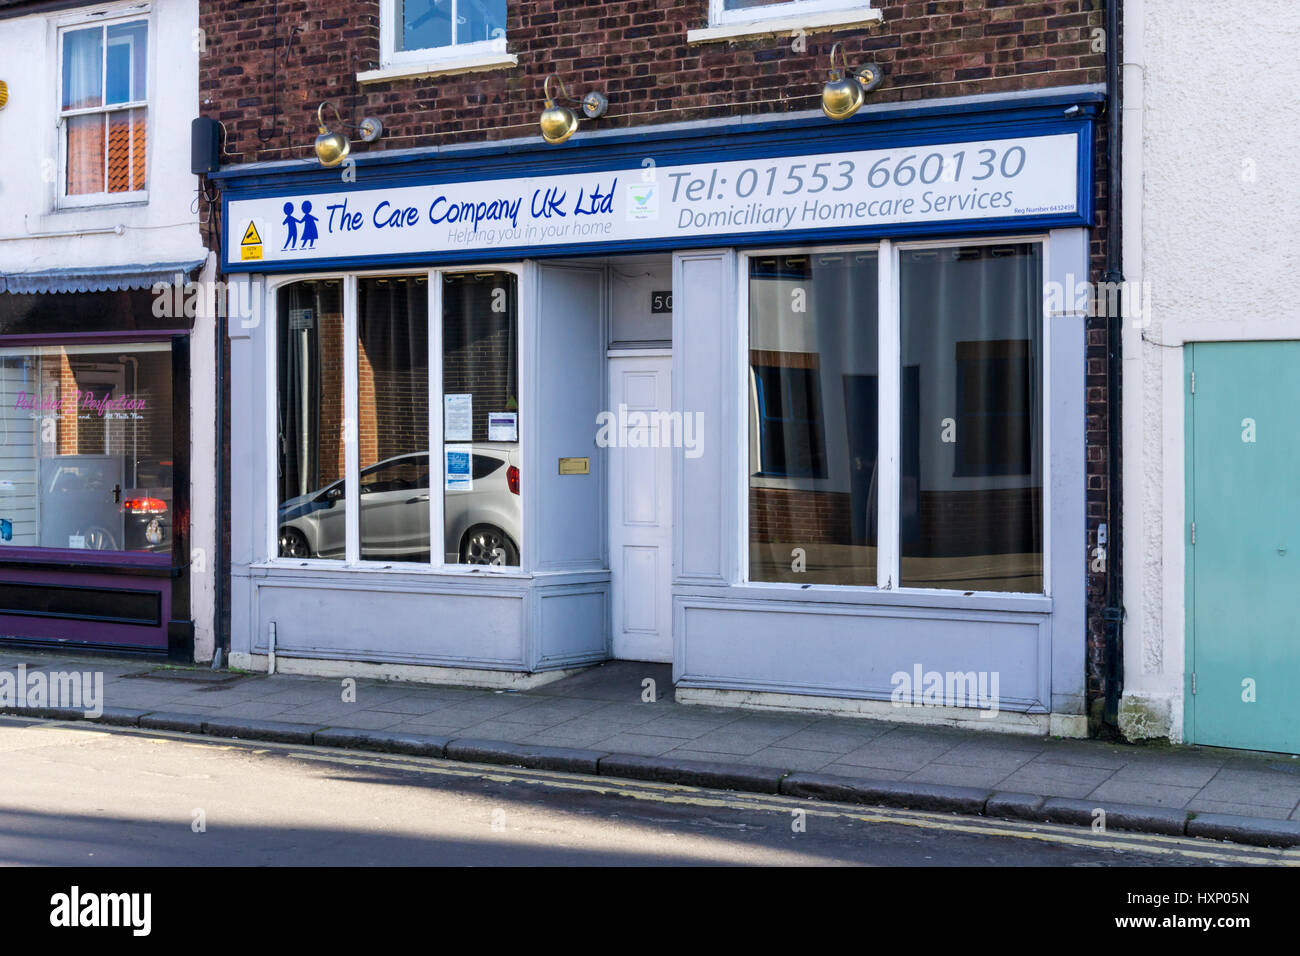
(1163, 772)
(1201, 805)
(642, 744)
(738, 742)
(790, 759)
(1135, 791)
(891, 758)
(1058, 780)
(959, 776)
(1259, 790)
(979, 754)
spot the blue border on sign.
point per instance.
(626, 151)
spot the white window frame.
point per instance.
(793, 18)
(889, 435)
(352, 560)
(462, 53)
(720, 15)
(103, 20)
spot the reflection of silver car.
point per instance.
(482, 522)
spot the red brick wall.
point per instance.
(269, 63)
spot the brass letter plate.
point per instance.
(575, 466)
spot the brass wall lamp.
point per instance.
(331, 147)
(558, 122)
(847, 89)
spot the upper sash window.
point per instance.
(441, 29)
(103, 111)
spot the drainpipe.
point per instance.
(220, 639)
(1113, 612)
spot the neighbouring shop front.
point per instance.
(786, 402)
(94, 509)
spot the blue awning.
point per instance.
(103, 279)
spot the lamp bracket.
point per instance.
(593, 105)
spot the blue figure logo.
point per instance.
(308, 223)
(6, 529)
(291, 237)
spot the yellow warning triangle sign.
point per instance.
(251, 238)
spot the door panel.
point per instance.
(640, 510)
(1243, 569)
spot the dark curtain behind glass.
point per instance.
(972, 445)
(309, 413)
(480, 358)
(393, 417)
(813, 399)
(480, 343)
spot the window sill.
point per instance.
(91, 201)
(338, 568)
(1014, 602)
(785, 26)
(440, 67)
(90, 562)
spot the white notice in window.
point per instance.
(503, 426)
(458, 417)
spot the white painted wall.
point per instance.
(204, 461)
(163, 229)
(1211, 193)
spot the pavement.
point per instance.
(598, 722)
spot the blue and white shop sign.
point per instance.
(789, 190)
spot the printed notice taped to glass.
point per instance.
(503, 426)
(575, 466)
(458, 473)
(458, 417)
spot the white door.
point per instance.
(640, 508)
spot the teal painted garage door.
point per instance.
(1243, 545)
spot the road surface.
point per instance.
(75, 794)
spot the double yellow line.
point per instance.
(1189, 848)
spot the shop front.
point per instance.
(786, 402)
(94, 503)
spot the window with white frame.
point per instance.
(366, 381)
(732, 12)
(103, 111)
(424, 30)
(951, 441)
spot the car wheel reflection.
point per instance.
(488, 545)
(98, 538)
(293, 544)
